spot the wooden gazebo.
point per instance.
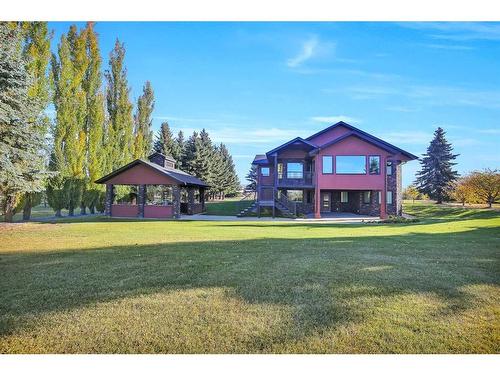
(153, 188)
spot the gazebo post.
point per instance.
(141, 199)
(176, 195)
(190, 202)
(202, 199)
(109, 199)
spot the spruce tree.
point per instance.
(251, 177)
(165, 142)
(143, 136)
(121, 124)
(436, 176)
(181, 151)
(21, 161)
(232, 182)
(36, 51)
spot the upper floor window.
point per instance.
(327, 164)
(294, 170)
(374, 164)
(264, 171)
(388, 168)
(347, 164)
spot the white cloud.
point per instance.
(455, 47)
(335, 119)
(408, 137)
(490, 131)
(401, 109)
(458, 30)
(307, 51)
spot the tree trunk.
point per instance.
(92, 210)
(27, 210)
(71, 211)
(490, 203)
(58, 213)
(83, 210)
(9, 214)
(9, 206)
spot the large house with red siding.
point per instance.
(339, 169)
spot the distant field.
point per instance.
(98, 285)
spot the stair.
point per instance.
(250, 209)
(285, 212)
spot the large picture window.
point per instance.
(294, 170)
(327, 164)
(374, 164)
(355, 164)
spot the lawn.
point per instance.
(227, 207)
(106, 286)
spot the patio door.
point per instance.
(326, 201)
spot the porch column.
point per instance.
(176, 200)
(202, 199)
(190, 202)
(317, 191)
(141, 199)
(383, 194)
(109, 199)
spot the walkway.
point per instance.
(342, 217)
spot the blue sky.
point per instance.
(254, 86)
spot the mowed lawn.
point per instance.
(107, 286)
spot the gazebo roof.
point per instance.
(180, 176)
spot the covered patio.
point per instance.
(153, 189)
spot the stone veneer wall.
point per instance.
(394, 184)
(372, 208)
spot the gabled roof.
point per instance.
(260, 159)
(363, 135)
(178, 175)
(295, 140)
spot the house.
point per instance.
(153, 188)
(339, 169)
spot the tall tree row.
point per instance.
(120, 132)
(143, 120)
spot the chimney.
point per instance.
(162, 160)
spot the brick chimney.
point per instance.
(160, 159)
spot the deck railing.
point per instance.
(289, 204)
(296, 178)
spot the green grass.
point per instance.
(106, 286)
(36, 212)
(227, 207)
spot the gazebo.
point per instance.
(153, 188)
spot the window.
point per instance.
(294, 170)
(159, 195)
(367, 195)
(327, 164)
(344, 197)
(379, 197)
(374, 164)
(389, 168)
(280, 170)
(389, 197)
(355, 164)
(264, 171)
(326, 201)
(295, 195)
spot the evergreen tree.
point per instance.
(21, 162)
(95, 120)
(251, 177)
(165, 142)
(181, 151)
(121, 125)
(207, 153)
(36, 51)
(437, 175)
(232, 182)
(143, 136)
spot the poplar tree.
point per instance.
(121, 124)
(143, 136)
(437, 175)
(21, 162)
(36, 51)
(94, 121)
